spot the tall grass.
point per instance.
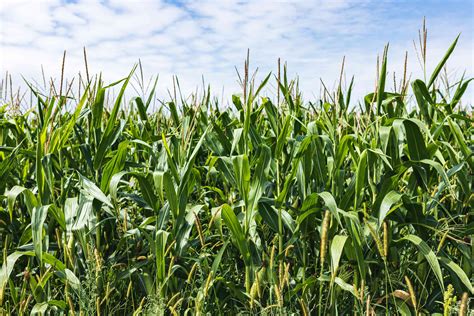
(264, 207)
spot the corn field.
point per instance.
(268, 206)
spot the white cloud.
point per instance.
(194, 38)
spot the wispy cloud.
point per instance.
(209, 38)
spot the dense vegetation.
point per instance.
(267, 206)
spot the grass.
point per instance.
(266, 207)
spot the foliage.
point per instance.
(260, 207)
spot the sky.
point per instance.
(208, 39)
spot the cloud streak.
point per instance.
(207, 38)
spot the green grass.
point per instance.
(267, 207)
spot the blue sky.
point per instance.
(191, 39)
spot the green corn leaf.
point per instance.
(161, 239)
(39, 308)
(415, 141)
(429, 255)
(118, 101)
(141, 108)
(330, 203)
(337, 246)
(361, 177)
(443, 61)
(340, 282)
(12, 195)
(70, 211)
(423, 98)
(184, 231)
(115, 165)
(236, 232)
(7, 269)
(462, 87)
(270, 215)
(171, 193)
(91, 190)
(382, 78)
(37, 221)
(386, 208)
(459, 272)
(461, 141)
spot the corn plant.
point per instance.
(112, 205)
